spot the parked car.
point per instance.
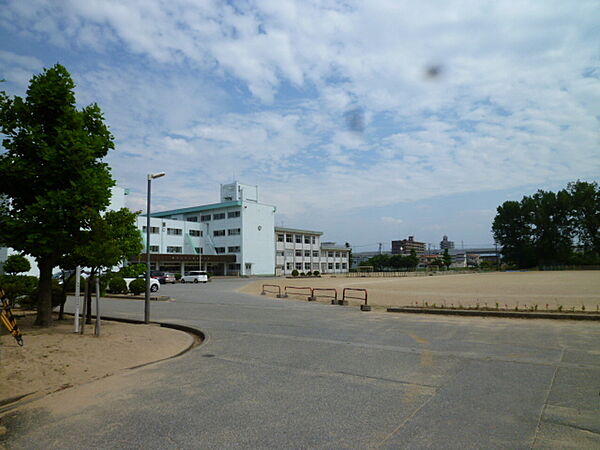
(154, 284)
(163, 277)
(195, 276)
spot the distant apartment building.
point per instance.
(446, 244)
(405, 246)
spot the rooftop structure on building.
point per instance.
(446, 244)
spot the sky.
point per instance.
(367, 120)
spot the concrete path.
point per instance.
(290, 374)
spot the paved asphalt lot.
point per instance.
(293, 374)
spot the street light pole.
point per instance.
(151, 176)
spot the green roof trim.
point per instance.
(296, 230)
(193, 209)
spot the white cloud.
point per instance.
(259, 90)
(391, 220)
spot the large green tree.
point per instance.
(585, 213)
(52, 173)
(550, 228)
(111, 239)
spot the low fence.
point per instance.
(333, 298)
(314, 293)
(286, 289)
(376, 274)
(363, 297)
(265, 286)
(548, 268)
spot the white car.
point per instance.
(154, 284)
(195, 276)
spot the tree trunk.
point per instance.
(44, 305)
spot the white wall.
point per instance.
(258, 245)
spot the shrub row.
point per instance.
(295, 273)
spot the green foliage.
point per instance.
(384, 262)
(110, 239)
(135, 270)
(437, 263)
(302, 274)
(545, 228)
(18, 286)
(295, 273)
(446, 259)
(137, 286)
(316, 273)
(118, 285)
(15, 264)
(58, 296)
(52, 173)
(177, 276)
(487, 265)
(70, 284)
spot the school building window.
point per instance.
(196, 233)
(173, 249)
(233, 214)
(219, 216)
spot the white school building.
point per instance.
(236, 236)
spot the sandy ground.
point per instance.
(55, 358)
(569, 289)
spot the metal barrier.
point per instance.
(333, 298)
(264, 291)
(364, 307)
(285, 290)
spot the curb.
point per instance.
(506, 314)
(198, 338)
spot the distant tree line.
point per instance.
(548, 228)
(386, 262)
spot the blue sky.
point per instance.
(370, 121)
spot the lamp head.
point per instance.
(152, 176)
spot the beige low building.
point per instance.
(302, 250)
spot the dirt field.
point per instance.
(55, 358)
(566, 289)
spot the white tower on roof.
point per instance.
(239, 192)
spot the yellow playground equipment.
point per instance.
(8, 319)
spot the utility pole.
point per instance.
(380, 247)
